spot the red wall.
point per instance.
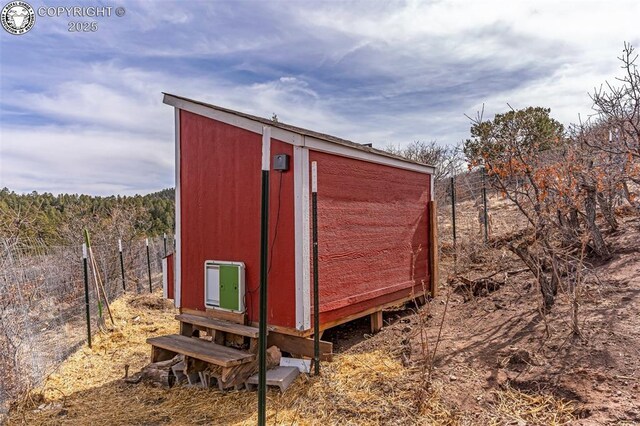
(220, 183)
(170, 275)
(372, 234)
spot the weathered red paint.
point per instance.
(373, 230)
(220, 183)
(373, 224)
(170, 275)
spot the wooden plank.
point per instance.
(327, 325)
(300, 346)
(366, 312)
(235, 317)
(376, 321)
(434, 267)
(159, 354)
(202, 350)
(186, 329)
(227, 327)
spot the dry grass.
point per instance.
(538, 409)
(368, 387)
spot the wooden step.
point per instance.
(201, 349)
(216, 324)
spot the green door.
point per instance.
(229, 275)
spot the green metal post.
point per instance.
(484, 201)
(164, 238)
(316, 300)
(86, 292)
(264, 255)
(124, 285)
(453, 216)
(149, 266)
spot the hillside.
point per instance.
(54, 219)
(498, 358)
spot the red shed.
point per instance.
(375, 222)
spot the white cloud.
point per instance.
(381, 72)
(80, 160)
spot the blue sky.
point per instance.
(83, 113)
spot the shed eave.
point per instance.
(295, 136)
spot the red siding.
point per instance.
(220, 202)
(170, 277)
(373, 234)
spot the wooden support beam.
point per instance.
(216, 324)
(160, 354)
(217, 336)
(376, 321)
(300, 346)
(186, 329)
(235, 317)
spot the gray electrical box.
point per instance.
(281, 162)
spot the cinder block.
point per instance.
(280, 377)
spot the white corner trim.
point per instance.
(314, 176)
(350, 152)
(177, 275)
(433, 187)
(225, 117)
(294, 138)
(165, 281)
(266, 148)
(302, 236)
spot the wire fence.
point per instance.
(42, 301)
(471, 210)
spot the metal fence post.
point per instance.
(149, 266)
(453, 217)
(316, 302)
(484, 201)
(86, 292)
(164, 240)
(264, 256)
(124, 285)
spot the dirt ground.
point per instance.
(497, 361)
(499, 339)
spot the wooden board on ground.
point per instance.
(202, 350)
(216, 324)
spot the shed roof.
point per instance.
(294, 129)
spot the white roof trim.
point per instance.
(294, 138)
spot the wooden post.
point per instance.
(186, 329)
(376, 321)
(433, 249)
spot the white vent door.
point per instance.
(212, 285)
